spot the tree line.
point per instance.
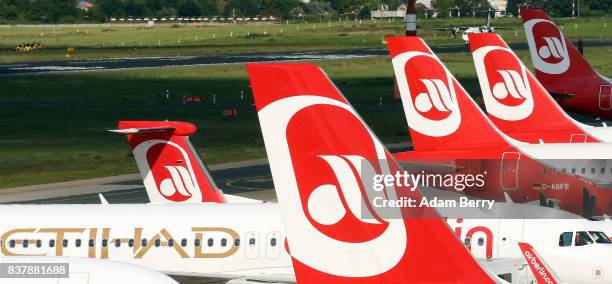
(66, 11)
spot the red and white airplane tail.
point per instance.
(440, 113)
(319, 150)
(554, 57)
(541, 270)
(515, 101)
(171, 169)
(563, 71)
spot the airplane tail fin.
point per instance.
(171, 168)
(556, 62)
(513, 97)
(541, 270)
(440, 113)
(320, 153)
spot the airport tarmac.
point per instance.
(249, 179)
(216, 59)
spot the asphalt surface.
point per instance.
(151, 62)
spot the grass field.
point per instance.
(164, 40)
(53, 126)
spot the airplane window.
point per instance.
(117, 243)
(565, 239)
(210, 242)
(554, 170)
(157, 243)
(77, 243)
(582, 238)
(592, 170)
(467, 241)
(51, 243)
(543, 171)
(131, 243)
(12, 243)
(237, 242)
(91, 243)
(197, 242)
(603, 170)
(583, 170)
(223, 242)
(184, 242)
(171, 242)
(480, 241)
(25, 243)
(104, 243)
(251, 241)
(38, 243)
(600, 237)
(64, 243)
(563, 170)
(273, 242)
(573, 170)
(143, 242)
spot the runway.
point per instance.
(152, 62)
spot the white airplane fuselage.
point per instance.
(247, 240)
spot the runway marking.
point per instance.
(253, 179)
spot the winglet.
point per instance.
(541, 270)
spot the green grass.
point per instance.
(53, 126)
(163, 40)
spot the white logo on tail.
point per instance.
(555, 47)
(515, 83)
(324, 204)
(440, 95)
(180, 182)
(437, 96)
(181, 186)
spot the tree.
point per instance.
(135, 8)
(512, 7)
(249, 8)
(188, 8)
(209, 7)
(443, 7)
(278, 8)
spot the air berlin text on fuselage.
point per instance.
(463, 202)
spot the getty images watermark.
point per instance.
(442, 187)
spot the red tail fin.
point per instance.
(440, 113)
(541, 271)
(171, 169)
(516, 102)
(318, 148)
(554, 57)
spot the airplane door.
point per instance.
(578, 138)
(252, 245)
(605, 97)
(273, 245)
(509, 170)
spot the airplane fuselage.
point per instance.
(241, 240)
